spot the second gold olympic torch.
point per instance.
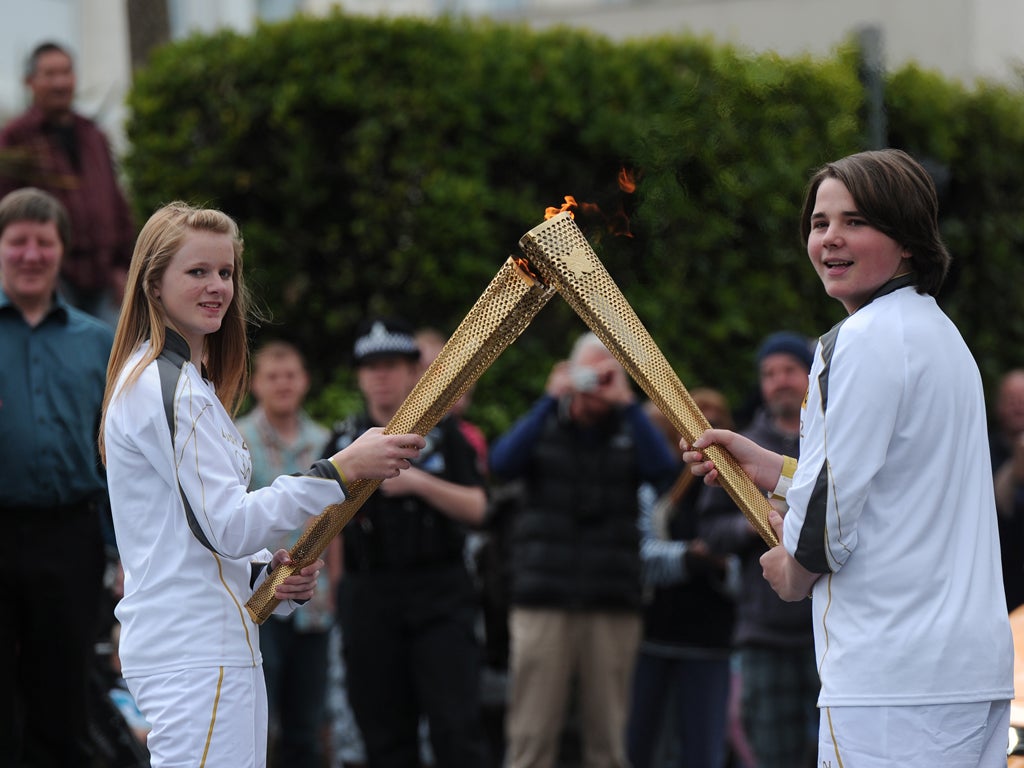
(559, 253)
(503, 311)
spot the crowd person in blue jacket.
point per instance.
(583, 451)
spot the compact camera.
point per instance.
(583, 379)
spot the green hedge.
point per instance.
(392, 166)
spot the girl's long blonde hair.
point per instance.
(226, 352)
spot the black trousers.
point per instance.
(51, 569)
(295, 668)
(410, 650)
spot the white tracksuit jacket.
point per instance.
(893, 501)
(184, 600)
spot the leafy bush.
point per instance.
(391, 166)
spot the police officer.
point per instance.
(406, 602)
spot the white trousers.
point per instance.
(205, 718)
(937, 736)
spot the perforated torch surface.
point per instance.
(499, 316)
(562, 257)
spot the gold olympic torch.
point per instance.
(502, 312)
(559, 253)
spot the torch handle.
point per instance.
(310, 545)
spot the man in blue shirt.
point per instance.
(52, 376)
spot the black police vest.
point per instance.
(397, 533)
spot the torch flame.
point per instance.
(526, 267)
(627, 181)
(616, 223)
(569, 204)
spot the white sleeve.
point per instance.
(213, 469)
(848, 428)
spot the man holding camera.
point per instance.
(582, 452)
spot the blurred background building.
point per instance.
(962, 39)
